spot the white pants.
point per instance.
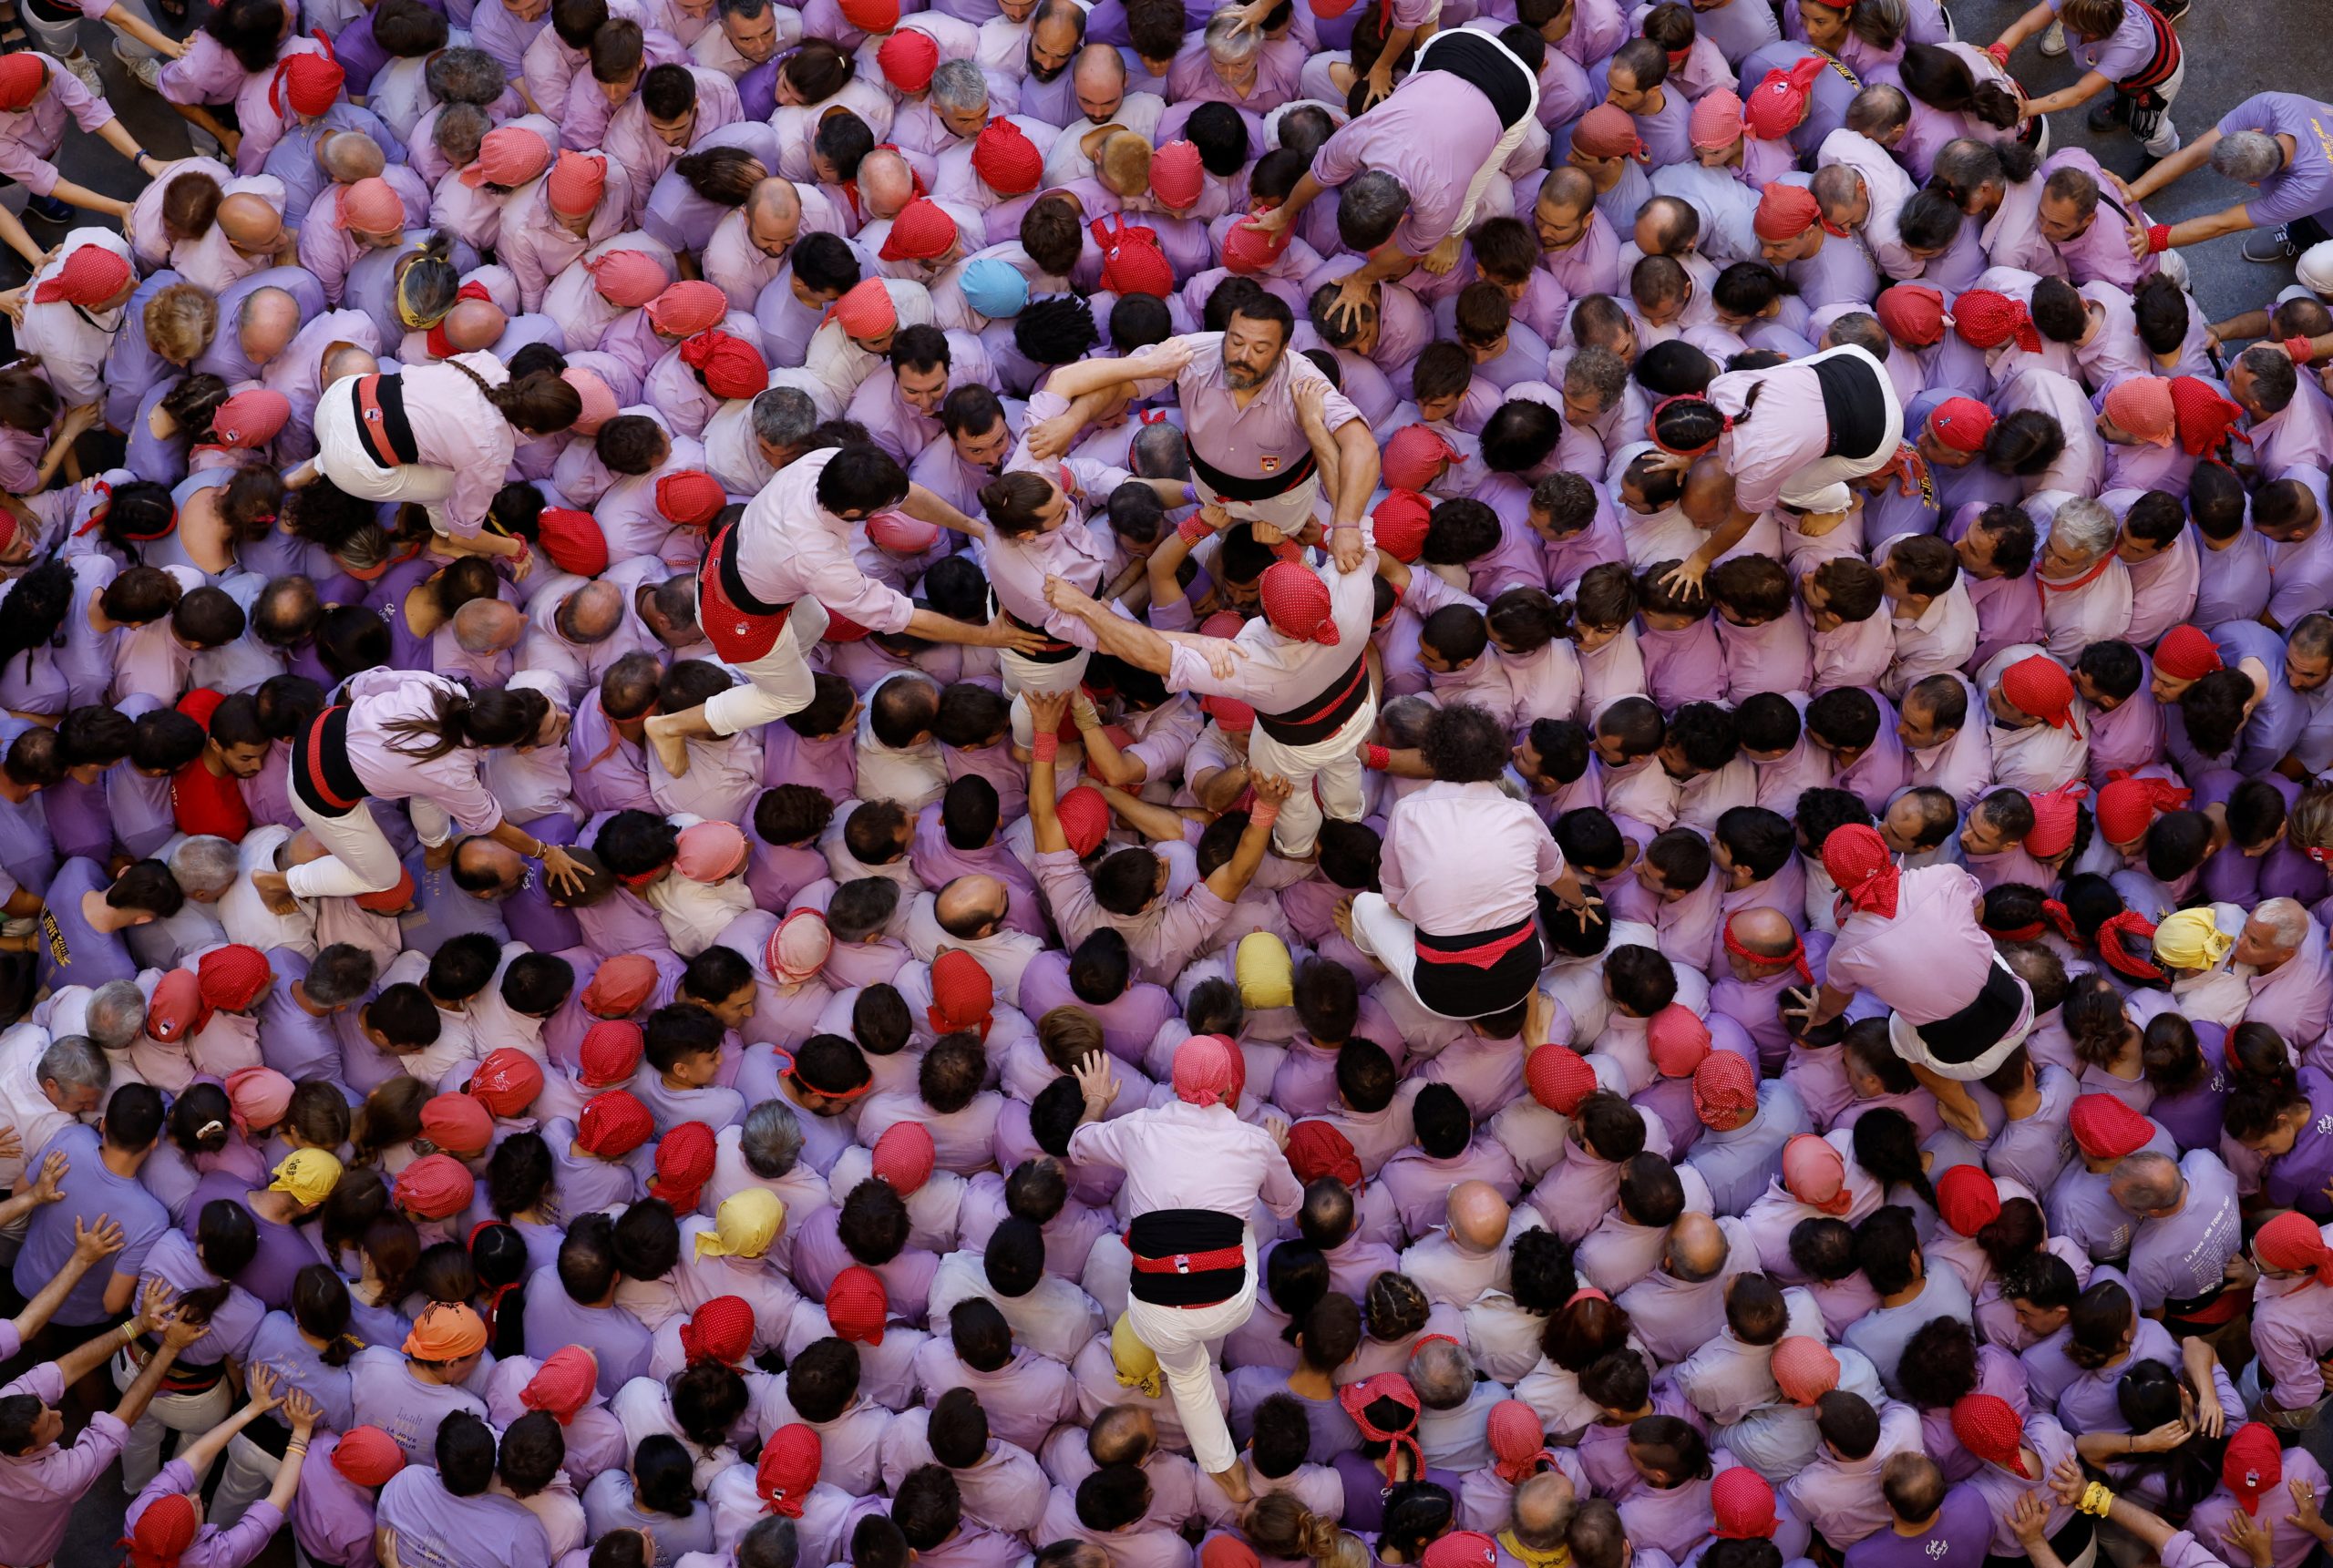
(361, 858)
(1821, 486)
(1185, 1340)
(192, 1414)
(343, 458)
(778, 682)
(2315, 268)
(1378, 930)
(1907, 1044)
(1334, 765)
(1028, 675)
(249, 1473)
(1507, 143)
(1288, 512)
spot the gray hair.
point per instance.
(784, 416)
(2145, 1182)
(459, 130)
(2286, 921)
(772, 1541)
(771, 1139)
(2085, 526)
(1230, 41)
(339, 974)
(204, 864)
(74, 1060)
(958, 87)
(464, 76)
(2249, 156)
(1371, 204)
(116, 1014)
(1443, 1376)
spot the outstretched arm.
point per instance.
(1230, 879)
(91, 1244)
(1072, 382)
(1045, 711)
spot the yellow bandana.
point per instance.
(1136, 1363)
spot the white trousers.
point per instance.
(1333, 766)
(361, 858)
(2163, 139)
(1380, 931)
(191, 1414)
(1028, 675)
(778, 682)
(1807, 488)
(1907, 1041)
(1507, 143)
(1185, 1340)
(341, 456)
(1288, 512)
(249, 1473)
(63, 38)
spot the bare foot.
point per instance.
(672, 750)
(1234, 1482)
(274, 890)
(1342, 915)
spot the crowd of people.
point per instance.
(1447, 784)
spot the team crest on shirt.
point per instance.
(1271, 465)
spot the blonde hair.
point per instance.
(180, 322)
(1068, 1034)
(1122, 163)
(1280, 1525)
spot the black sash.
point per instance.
(381, 423)
(1853, 403)
(321, 776)
(1478, 60)
(1326, 714)
(1978, 1027)
(1165, 1234)
(1464, 990)
(1231, 487)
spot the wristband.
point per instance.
(1375, 758)
(2000, 53)
(1192, 529)
(1266, 812)
(1044, 747)
(2158, 239)
(2300, 348)
(1340, 528)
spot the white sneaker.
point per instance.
(144, 68)
(86, 69)
(2053, 42)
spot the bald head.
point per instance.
(266, 323)
(1696, 1250)
(477, 859)
(1568, 187)
(349, 156)
(1478, 1217)
(1766, 932)
(1122, 1434)
(1543, 1509)
(1709, 492)
(251, 222)
(886, 183)
(1098, 78)
(488, 626)
(342, 359)
(475, 324)
(774, 215)
(970, 906)
(592, 613)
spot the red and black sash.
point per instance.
(1187, 1257)
(740, 626)
(1232, 487)
(321, 776)
(1478, 973)
(381, 423)
(2165, 63)
(1326, 714)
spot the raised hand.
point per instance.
(103, 1239)
(1097, 1083)
(48, 1188)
